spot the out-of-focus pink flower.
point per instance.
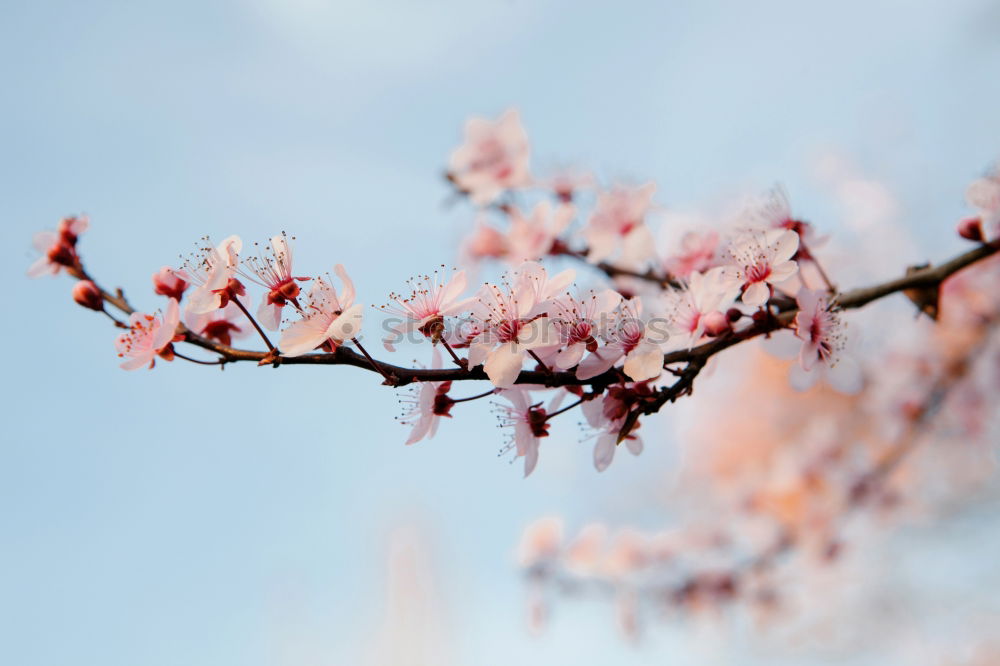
(88, 295)
(425, 404)
(213, 272)
(328, 321)
(618, 222)
(494, 158)
(424, 309)
(585, 554)
(579, 321)
(687, 308)
(758, 260)
(149, 336)
(531, 238)
(540, 541)
(485, 242)
(58, 248)
(170, 283)
(273, 271)
(698, 253)
(984, 195)
(775, 211)
(529, 422)
(223, 325)
(631, 338)
(507, 334)
(565, 183)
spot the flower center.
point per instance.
(758, 272)
(537, 422)
(508, 329)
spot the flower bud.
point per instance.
(168, 282)
(971, 228)
(716, 323)
(88, 295)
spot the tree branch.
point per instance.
(694, 358)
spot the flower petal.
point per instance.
(503, 364)
(604, 451)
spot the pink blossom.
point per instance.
(170, 283)
(425, 404)
(760, 259)
(87, 294)
(819, 327)
(533, 276)
(485, 242)
(531, 238)
(689, 307)
(327, 321)
(507, 332)
(585, 553)
(149, 336)
(565, 183)
(494, 158)
(697, 254)
(606, 416)
(213, 272)
(223, 325)
(540, 542)
(629, 337)
(273, 271)
(58, 248)
(579, 321)
(424, 309)
(529, 422)
(618, 222)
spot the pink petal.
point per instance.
(604, 451)
(599, 361)
(347, 325)
(503, 364)
(645, 362)
(302, 337)
(756, 294)
(570, 356)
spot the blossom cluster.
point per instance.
(781, 476)
(618, 342)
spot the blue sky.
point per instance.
(187, 516)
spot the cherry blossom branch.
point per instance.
(929, 277)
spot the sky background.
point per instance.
(188, 516)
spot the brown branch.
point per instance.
(662, 280)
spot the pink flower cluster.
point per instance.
(610, 344)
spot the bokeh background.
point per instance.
(254, 516)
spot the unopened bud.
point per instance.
(971, 228)
(88, 295)
(716, 323)
(167, 282)
(734, 315)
